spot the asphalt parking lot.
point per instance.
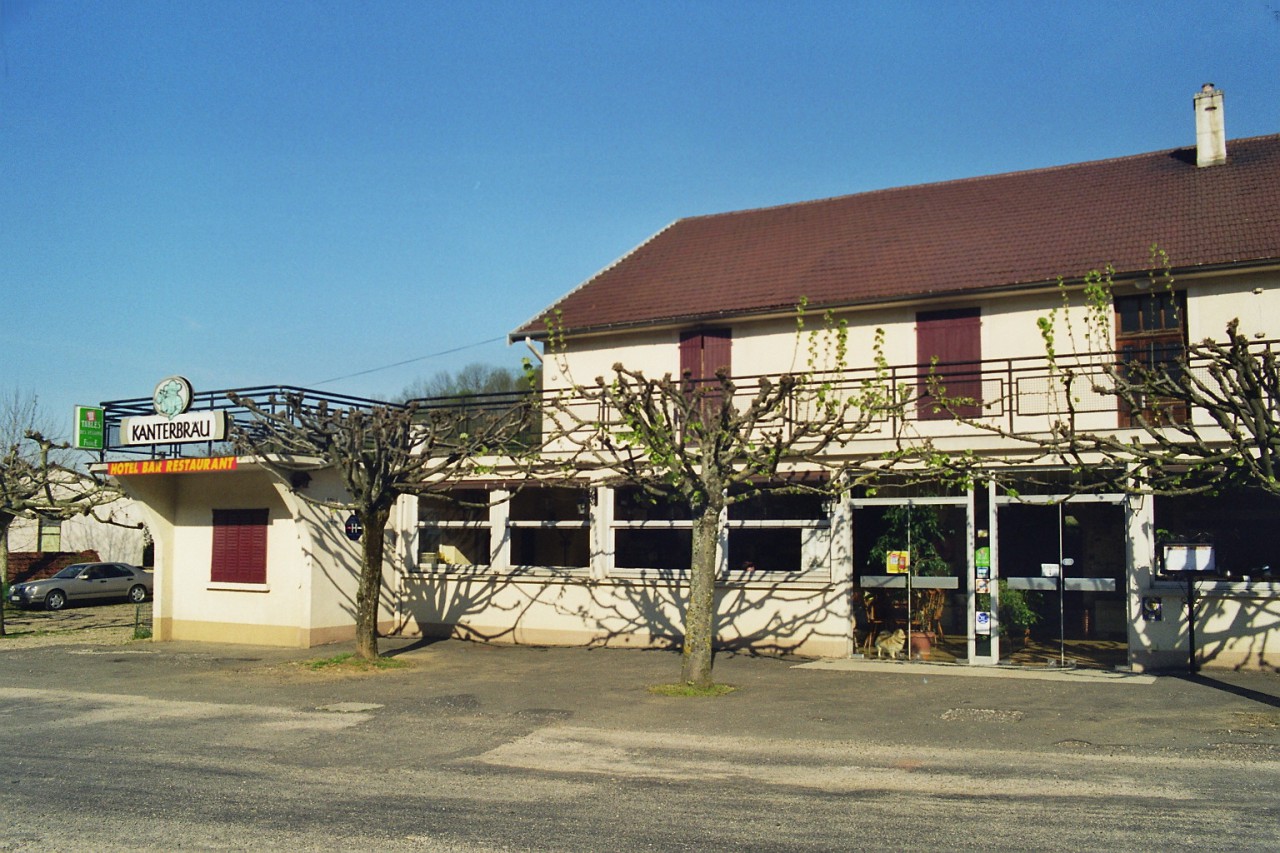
(476, 747)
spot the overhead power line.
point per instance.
(410, 361)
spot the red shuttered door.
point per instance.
(954, 339)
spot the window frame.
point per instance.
(581, 525)
(48, 529)
(434, 528)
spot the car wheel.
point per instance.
(138, 594)
(55, 600)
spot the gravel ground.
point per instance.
(102, 624)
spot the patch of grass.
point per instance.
(9, 632)
(348, 662)
(681, 688)
(142, 632)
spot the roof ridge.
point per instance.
(956, 181)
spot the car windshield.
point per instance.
(71, 571)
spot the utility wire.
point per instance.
(411, 360)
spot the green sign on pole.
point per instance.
(90, 428)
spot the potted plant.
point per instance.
(1018, 611)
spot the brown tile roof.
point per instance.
(1001, 231)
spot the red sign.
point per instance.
(172, 466)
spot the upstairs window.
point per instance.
(1151, 330)
(702, 355)
(50, 537)
(705, 352)
(949, 355)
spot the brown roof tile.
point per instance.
(999, 231)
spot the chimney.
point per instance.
(1211, 134)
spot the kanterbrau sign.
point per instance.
(161, 429)
(174, 422)
(172, 466)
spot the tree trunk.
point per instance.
(699, 617)
(5, 521)
(369, 592)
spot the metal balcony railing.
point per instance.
(1019, 395)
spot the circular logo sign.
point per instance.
(353, 527)
(172, 396)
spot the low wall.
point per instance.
(34, 565)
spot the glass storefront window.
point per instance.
(549, 527)
(454, 530)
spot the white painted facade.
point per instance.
(308, 598)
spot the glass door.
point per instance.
(911, 557)
(1061, 581)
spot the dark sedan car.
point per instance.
(85, 582)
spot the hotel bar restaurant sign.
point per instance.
(173, 422)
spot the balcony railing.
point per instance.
(1025, 396)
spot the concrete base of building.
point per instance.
(256, 635)
(1230, 659)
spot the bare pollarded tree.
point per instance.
(381, 452)
(710, 443)
(1206, 420)
(1193, 417)
(1190, 416)
(37, 480)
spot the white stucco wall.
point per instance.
(116, 539)
(309, 594)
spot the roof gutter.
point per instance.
(776, 312)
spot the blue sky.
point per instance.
(252, 193)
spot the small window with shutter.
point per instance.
(239, 546)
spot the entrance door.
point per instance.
(1062, 582)
(912, 558)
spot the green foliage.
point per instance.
(1018, 607)
(922, 527)
(349, 662)
(683, 689)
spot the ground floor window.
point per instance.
(773, 533)
(239, 546)
(1238, 523)
(550, 527)
(454, 529)
(50, 535)
(911, 565)
(650, 532)
(770, 533)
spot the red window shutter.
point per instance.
(691, 355)
(702, 354)
(705, 352)
(717, 352)
(954, 339)
(239, 546)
